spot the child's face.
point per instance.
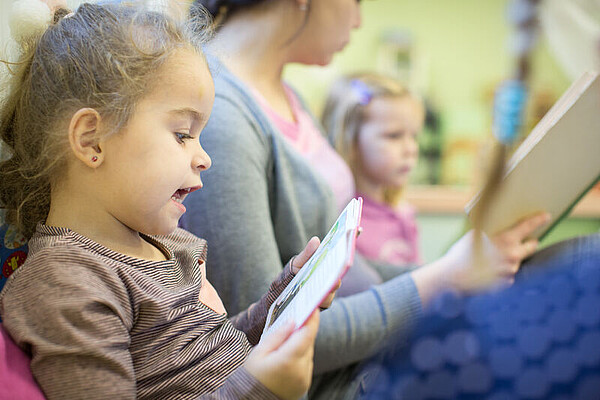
(157, 158)
(387, 141)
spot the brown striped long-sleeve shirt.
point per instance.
(102, 325)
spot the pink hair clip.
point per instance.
(362, 91)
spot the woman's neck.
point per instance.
(248, 52)
(253, 47)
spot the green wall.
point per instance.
(462, 52)
(438, 232)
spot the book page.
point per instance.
(320, 274)
(556, 112)
(555, 166)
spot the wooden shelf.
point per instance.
(452, 200)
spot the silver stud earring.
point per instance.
(302, 7)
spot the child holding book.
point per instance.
(103, 122)
(373, 122)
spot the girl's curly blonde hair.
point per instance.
(104, 57)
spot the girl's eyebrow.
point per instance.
(194, 115)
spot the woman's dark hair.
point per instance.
(219, 10)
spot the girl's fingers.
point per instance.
(312, 323)
(310, 248)
(329, 299)
(275, 339)
(303, 339)
(338, 285)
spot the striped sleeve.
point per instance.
(252, 320)
(75, 322)
(241, 385)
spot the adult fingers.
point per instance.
(528, 248)
(522, 229)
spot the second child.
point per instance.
(373, 121)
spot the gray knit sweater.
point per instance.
(260, 204)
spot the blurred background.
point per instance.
(454, 53)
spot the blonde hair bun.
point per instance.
(29, 18)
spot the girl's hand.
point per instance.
(283, 360)
(496, 262)
(329, 299)
(301, 259)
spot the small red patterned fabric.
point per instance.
(13, 249)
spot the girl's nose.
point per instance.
(411, 147)
(202, 160)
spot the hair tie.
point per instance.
(28, 19)
(362, 91)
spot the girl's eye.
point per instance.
(181, 137)
(394, 136)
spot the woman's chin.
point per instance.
(321, 62)
(321, 59)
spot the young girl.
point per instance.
(373, 122)
(103, 123)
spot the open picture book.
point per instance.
(555, 166)
(319, 275)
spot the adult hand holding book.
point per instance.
(554, 166)
(462, 270)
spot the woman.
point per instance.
(271, 185)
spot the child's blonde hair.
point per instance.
(104, 57)
(345, 112)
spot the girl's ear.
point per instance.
(83, 136)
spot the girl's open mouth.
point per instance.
(180, 194)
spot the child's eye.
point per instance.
(394, 135)
(181, 137)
